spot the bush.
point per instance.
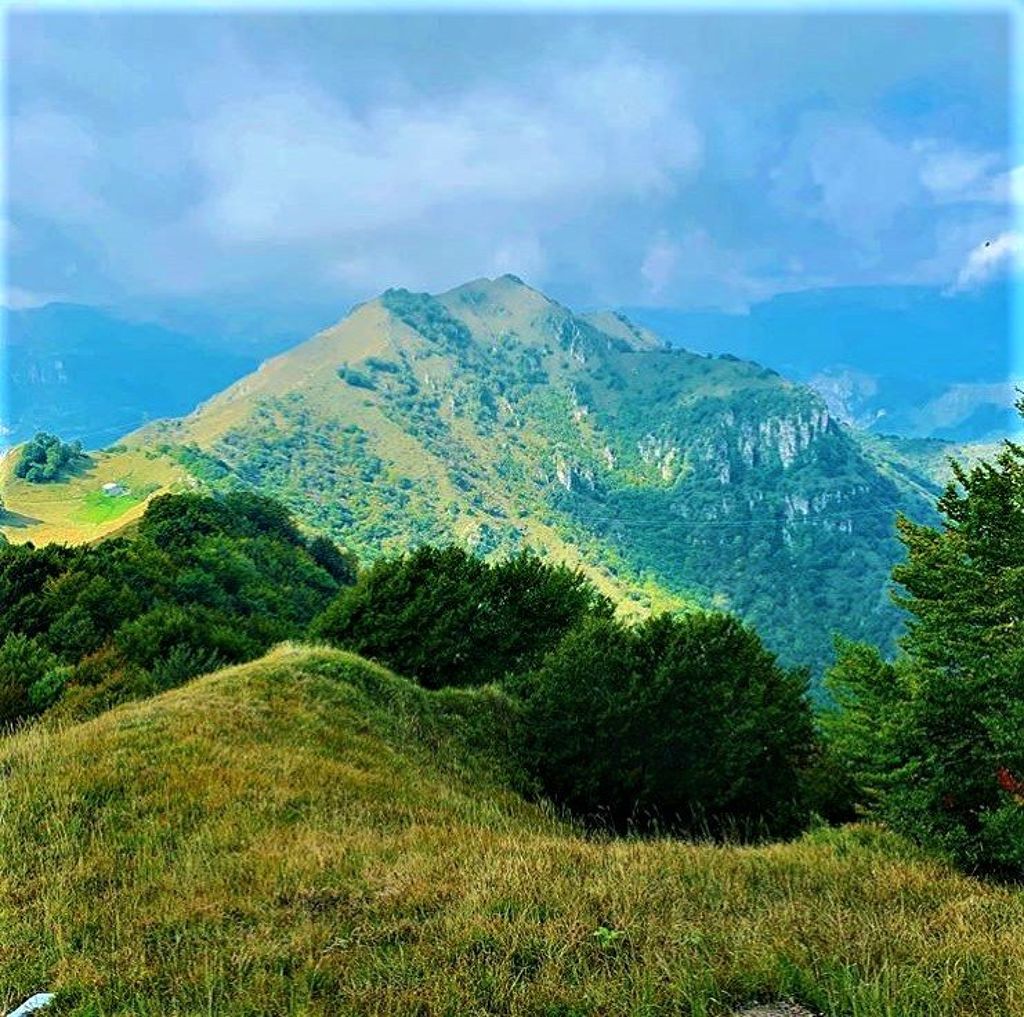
(685, 722)
(24, 662)
(151, 639)
(445, 617)
(205, 581)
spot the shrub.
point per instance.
(445, 617)
(685, 722)
(205, 581)
(24, 661)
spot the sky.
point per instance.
(213, 162)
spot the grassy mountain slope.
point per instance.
(496, 416)
(75, 509)
(308, 834)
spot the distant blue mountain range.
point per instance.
(83, 373)
(903, 360)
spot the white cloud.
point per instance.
(852, 176)
(659, 265)
(953, 174)
(296, 164)
(1008, 187)
(848, 174)
(989, 259)
(273, 175)
(522, 256)
(696, 269)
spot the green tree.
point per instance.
(445, 617)
(689, 722)
(937, 738)
(46, 457)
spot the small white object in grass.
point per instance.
(37, 1002)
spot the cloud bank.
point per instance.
(235, 160)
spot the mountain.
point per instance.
(310, 834)
(910, 360)
(91, 376)
(494, 416)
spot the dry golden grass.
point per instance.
(311, 835)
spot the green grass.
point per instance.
(309, 834)
(98, 507)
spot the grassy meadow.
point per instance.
(309, 834)
(75, 510)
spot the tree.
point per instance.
(685, 721)
(938, 737)
(445, 617)
(46, 457)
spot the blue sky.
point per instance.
(213, 161)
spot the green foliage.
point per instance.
(685, 722)
(341, 565)
(333, 476)
(46, 458)
(936, 739)
(446, 617)
(381, 364)
(182, 662)
(428, 316)
(356, 378)
(47, 690)
(205, 581)
(24, 662)
(200, 464)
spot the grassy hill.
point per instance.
(308, 834)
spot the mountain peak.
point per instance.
(502, 285)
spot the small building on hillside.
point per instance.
(113, 490)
